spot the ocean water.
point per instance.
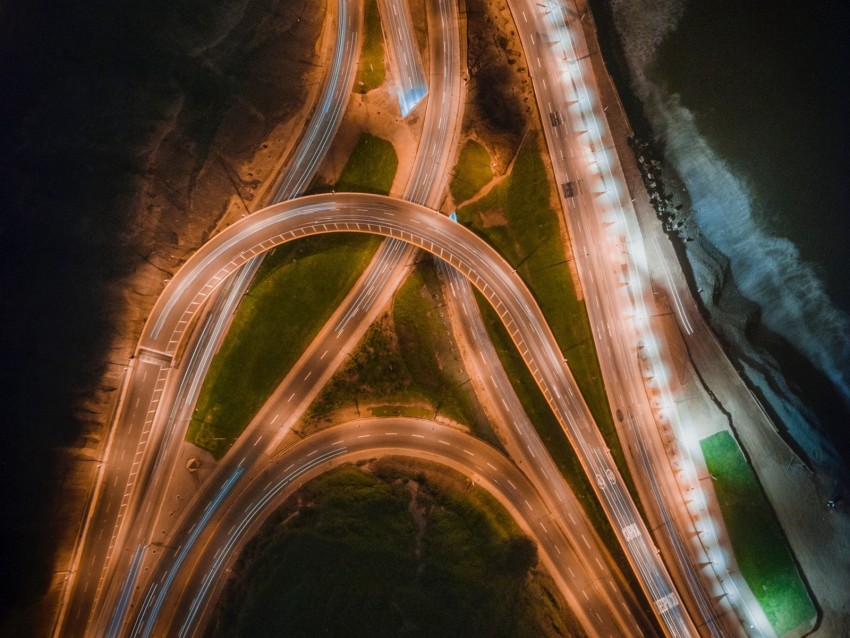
(750, 100)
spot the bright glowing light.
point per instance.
(408, 98)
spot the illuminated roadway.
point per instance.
(524, 445)
(220, 257)
(405, 63)
(610, 257)
(123, 478)
(425, 184)
(356, 313)
(149, 389)
(195, 582)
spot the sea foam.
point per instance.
(767, 269)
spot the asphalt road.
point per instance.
(155, 352)
(524, 445)
(494, 278)
(371, 293)
(153, 414)
(197, 580)
(424, 184)
(404, 61)
(612, 264)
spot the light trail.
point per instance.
(146, 630)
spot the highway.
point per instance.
(215, 546)
(118, 486)
(425, 184)
(524, 445)
(405, 63)
(220, 257)
(379, 281)
(613, 269)
(167, 341)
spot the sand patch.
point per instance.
(493, 218)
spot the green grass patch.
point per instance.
(371, 167)
(385, 554)
(370, 72)
(531, 241)
(407, 359)
(527, 233)
(760, 549)
(472, 172)
(294, 293)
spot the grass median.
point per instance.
(472, 172)
(518, 220)
(757, 541)
(407, 364)
(370, 72)
(296, 290)
(403, 549)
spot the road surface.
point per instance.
(147, 396)
(198, 575)
(405, 63)
(220, 257)
(612, 265)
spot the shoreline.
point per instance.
(734, 319)
(819, 539)
(131, 296)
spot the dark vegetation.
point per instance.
(498, 99)
(404, 549)
(408, 359)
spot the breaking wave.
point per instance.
(767, 269)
